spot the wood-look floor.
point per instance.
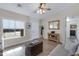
(48, 46)
(19, 50)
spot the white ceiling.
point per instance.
(30, 8)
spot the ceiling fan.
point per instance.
(43, 5)
(43, 8)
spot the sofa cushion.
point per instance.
(59, 51)
(71, 45)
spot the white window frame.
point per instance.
(15, 29)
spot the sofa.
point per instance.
(69, 49)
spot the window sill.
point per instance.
(12, 38)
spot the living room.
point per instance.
(27, 32)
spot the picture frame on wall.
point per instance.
(73, 26)
(28, 25)
(54, 25)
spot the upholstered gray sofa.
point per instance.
(68, 49)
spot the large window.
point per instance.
(13, 29)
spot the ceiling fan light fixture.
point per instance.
(42, 8)
(40, 11)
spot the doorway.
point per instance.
(72, 28)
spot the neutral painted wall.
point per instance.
(1, 34)
(15, 16)
(35, 28)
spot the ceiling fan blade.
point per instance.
(48, 8)
(34, 11)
